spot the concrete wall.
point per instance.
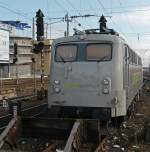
(23, 71)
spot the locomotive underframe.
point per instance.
(103, 114)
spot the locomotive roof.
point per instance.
(90, 37)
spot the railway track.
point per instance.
(24, 101)
(26, 112)
(67, 135)
(21, 98)
(4, 120)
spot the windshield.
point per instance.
(66, 53)
(83, 52)
(99, 52)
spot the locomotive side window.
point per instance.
(66, 53)
(126, 55)
(99, 52)
(139, 61)
(126, 52)
(130, 56)
(133, 58)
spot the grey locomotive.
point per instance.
(94, 74)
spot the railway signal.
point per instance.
(37, 48)
(34, 72)
(40, 25)
(15, 60)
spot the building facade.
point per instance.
(23, 66)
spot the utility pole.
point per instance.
(50, 28)
(67, 20)
(46, 31)
(33, 30)
(1, 74)
(34, 73)
(70, 18)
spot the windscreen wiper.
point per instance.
(62, 59)
(102, 59)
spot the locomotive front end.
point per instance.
(82, 73)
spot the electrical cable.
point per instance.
(15, 12)
(105, 11)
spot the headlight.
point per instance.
(57, 90)
(56, 82)
(106, 82)
(106, 91)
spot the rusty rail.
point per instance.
(102, 145)
(50, 148)
(11, 133)
(76, 137)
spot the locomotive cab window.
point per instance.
(66, 53)
(99, 52)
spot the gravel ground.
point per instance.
(130, 136)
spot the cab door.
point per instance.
(126, 70)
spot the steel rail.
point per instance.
(4, 120)
(20, 98)
(11, 132)
(32, 112)
(76, 137)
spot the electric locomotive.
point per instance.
(94, 74)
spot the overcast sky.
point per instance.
(131, 18)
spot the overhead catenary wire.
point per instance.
(131, 11)
(58, 19)
(77, 12)
(127, 9)
(105, 11)
(73, 6)
(141, 33)
(61, 6)
(68, 18)
(20, 14)
(14, 12)
(127, 19)
(137, 34)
